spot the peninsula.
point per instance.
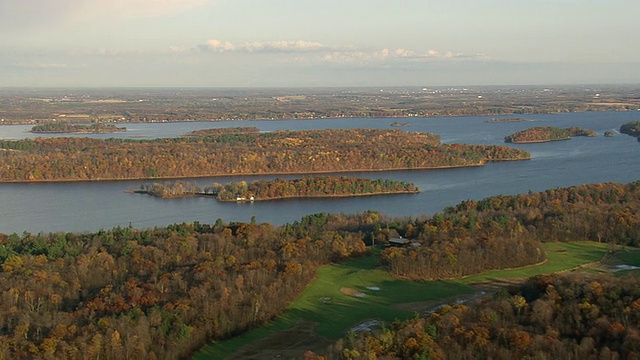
(259, 190)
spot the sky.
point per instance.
(310, 43)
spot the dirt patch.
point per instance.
(352, 292)
(285, 344)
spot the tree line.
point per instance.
(313, 186)
(309, 151)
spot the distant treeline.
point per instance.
(64, 127)
(572, 316)
(547, 133)
(316, 186)
(237, 153)
(506, 231)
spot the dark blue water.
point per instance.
(89, 206)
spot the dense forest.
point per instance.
(157, 293)
(631, 128)
(313, 186)
(310, 151)
(64, 127)
(547, 133)
(572, 316)
(506, 231)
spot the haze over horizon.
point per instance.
(285, 43)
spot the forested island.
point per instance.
(259, 190)
(631, 128)
(63, 128)
(547, 133)
(163, 293)
(238, 152)
(222, 131)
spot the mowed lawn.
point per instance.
(329, 300)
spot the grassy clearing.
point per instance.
(335, 312)
(560, 257)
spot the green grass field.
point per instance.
(560, 257)
(335, 312)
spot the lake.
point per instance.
(90, 206)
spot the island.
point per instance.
(221, 131)
(239, 153)
(260, 190)
(504, 120)
(631, 128)
(397, 123)
(547, 133)
(609, 133)
(67, 128)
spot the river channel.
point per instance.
(90, 206)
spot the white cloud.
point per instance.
(394, 56)
(298, 46)
(218, 46)
(311, 52)
(284, 46)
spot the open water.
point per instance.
(90, 206)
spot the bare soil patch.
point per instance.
(351, 292)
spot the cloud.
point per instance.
(218, 46)
(393, 55)
(284, 46)
(298, 46)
